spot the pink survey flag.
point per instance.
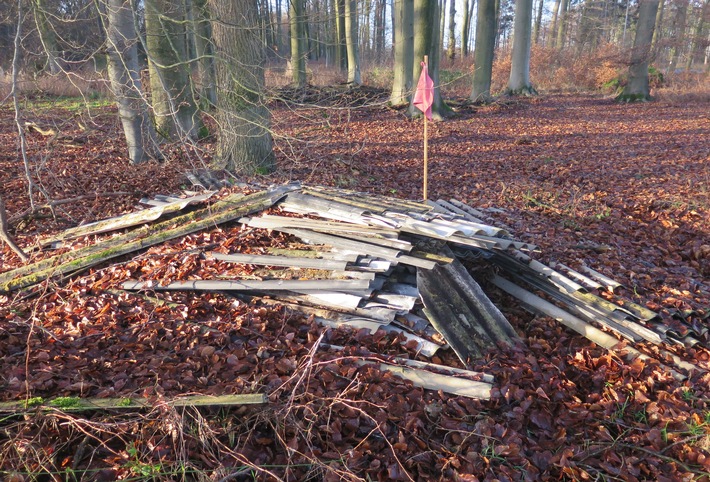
(424, 96)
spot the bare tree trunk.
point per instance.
(298, 54)
(46, 35)
(538, 21)
(341, 48)
(562, 25)
(680, 23)
(278, 46)
(658, 31)
(124, 73)
(451, 51)
(174, 107)
(497, 24)
(553, 24)
(403, 52)
(442, 22)
(483, 54)
(380, 27)
(468, 8)
(204, 52)
(519, 80)
(351, 42)
(637, 87)
(427, 42)
(696, 49)
(245, 144)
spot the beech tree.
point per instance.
(562, 25)
(468, 6)
(244, 144)
(483, 53)
(403, 52)
(679, 24)
(427, 36)
(174, 107)
(201, 32)
(124, 75)
(351, 43)
(46, 34)
(637, 88)
(451, 50)
(341, 52)
(298, 50)
(519, 80)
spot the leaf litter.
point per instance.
(621, 189)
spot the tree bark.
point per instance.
(244, 145)
(538, 21)
(427, 42)
(124, 74)
(696, 50)
(680, 23)
(637, 87)
(465, 27)
(483, 54)
(658, 31)
(403, 52)
(451, 50)
(562, 25)
(174, 107)
(380, 27)
(341, 52)
(351, 43)
(553, 24)
(46, 35)
(204, 53)
(298, 58)
(519, 80)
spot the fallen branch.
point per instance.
(5, 234)
(75, 404)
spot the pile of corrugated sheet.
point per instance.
(387, 264)
(396, 265)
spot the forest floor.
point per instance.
(622, 188)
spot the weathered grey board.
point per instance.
(230, 208)
(382, 315)
(362, 247)
(367, 201)
(247, 285)
(435, 381)
(425, 347)
(446, 206)
(422, 365)
(459, 309)
(321, 312)
(331, 298)
(68, 404)
(402, 302)
(271, 260)
(270, 221)
(127, 220)
(314, 254)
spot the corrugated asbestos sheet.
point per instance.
(379, 263)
